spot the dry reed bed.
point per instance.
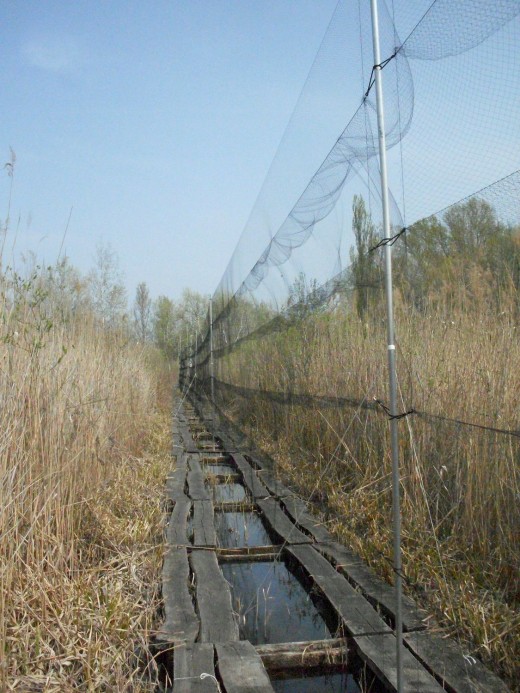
(83, 455)
(460, 485)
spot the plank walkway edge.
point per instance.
(194, 669)
(205, 632)
(379, 653)
(177, 529)
(180, 620)
(275, 517)
(374, 588)
(217, 620)
(447, 660)
(241, 668)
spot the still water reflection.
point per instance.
(237, 530)
(228, 493)
(272, 604)
(317, 683)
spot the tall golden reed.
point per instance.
(79, 506)
(458, 359)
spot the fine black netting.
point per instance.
(299, 316)
(460, 107)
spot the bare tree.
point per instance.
(142, 312)
(106, 287)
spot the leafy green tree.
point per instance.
(422, 260)
(164, 327)
(364, 271)
(192, 311)
(304, 296)
(466, 252)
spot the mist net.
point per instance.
(299, 317)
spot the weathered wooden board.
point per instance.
(227, 441)
(251, 480)
(379, 653)
(223, 478)
(297, 509)
(235, 506)
(176, 479)
(249, 554)
(187, 438)
(311, 653)
(194, 669)
(204, 524)
(196, 486)
(356, 613)
(376, 590)
(217, 457)
(241, 669)
(180, 621)
(446, 658)
(218, 623)
(177, 447)
(280, 523)
(274, 486)
(177, 530)
(176, 434)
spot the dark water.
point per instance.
(228, 492)
(236, 530)
(273, 605)
(311, 682)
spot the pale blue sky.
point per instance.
(156, 121)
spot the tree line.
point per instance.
(61, 293)
(464, 253)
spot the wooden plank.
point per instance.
(217, 458)
(187, 438)
(249, 554)
(260, 461)
(378, 592)
(356, 613)
(274, 486)
(446, 659)
(251, 480)
(297, 509)
(379, 653)
(180, 621)
(196, 486)
(235, 506)
(177, 530)
(177, 447)
(190, 663)
(311, 653)
(176, 479)
(204, 524)
(223, 478)
(227, 441)
(241, 668)
(280, 523)
(218, 623)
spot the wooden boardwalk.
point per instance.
(199, 624)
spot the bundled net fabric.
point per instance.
(299, 318)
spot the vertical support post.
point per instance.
(196, 357)
(211, 364)
(396, 511)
